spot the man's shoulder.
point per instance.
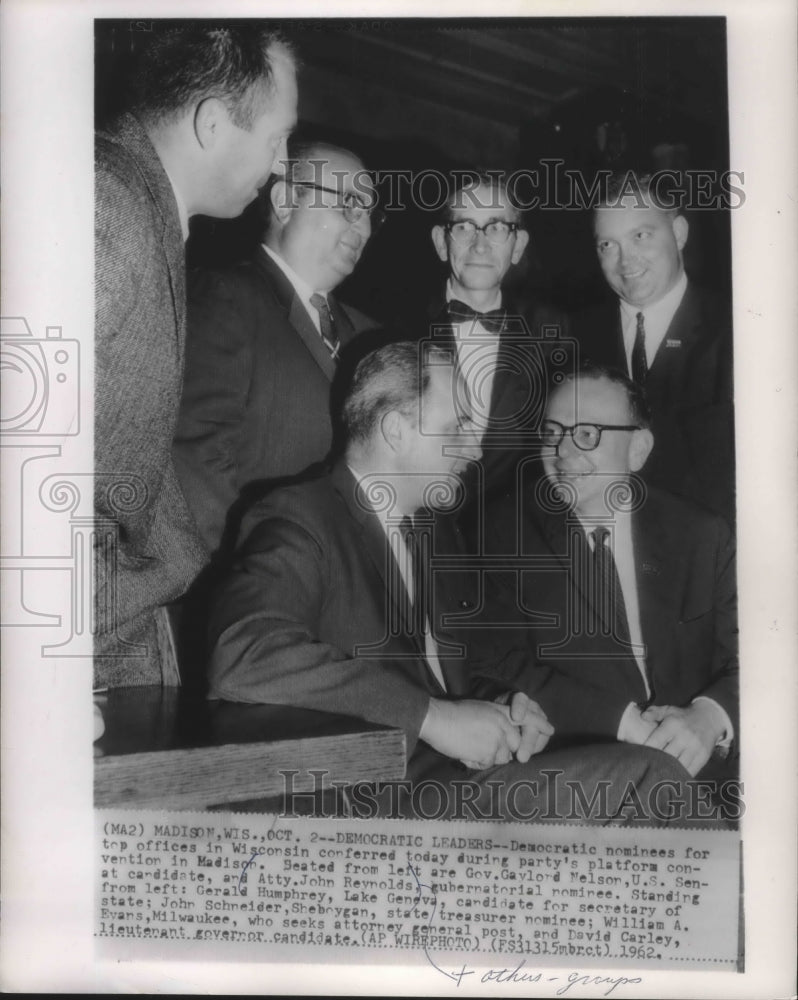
(707, 309)
(251, 277)
(691, 523)
(314, 507)
(360, 321)
(131, 184)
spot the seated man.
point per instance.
(631, 592)
(329, 605)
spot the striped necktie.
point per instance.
(328, 334)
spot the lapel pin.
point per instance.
(650, 568)
(673, 343)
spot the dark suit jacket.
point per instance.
(314, 615)
(686, 582)
(139, 347)
(690, 389)
(255, 406)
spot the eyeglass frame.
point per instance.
(375, 216)
(570, 431)
(512, 228)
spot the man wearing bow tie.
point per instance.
(670, 336)
(332, 604)
(504, 345)
(265, 338)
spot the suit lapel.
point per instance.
(380, 553)
(568, 543)
(298, 316)
(378, 549)
(683, 331)
(343, 325)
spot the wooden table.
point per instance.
(163, 748)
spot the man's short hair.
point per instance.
(637, 400)
(392, 377)
(660, 190)
(494, 180)
(183, 66)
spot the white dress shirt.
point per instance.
(182, 211)
(300, 286)
(477, 350)
(656, 319)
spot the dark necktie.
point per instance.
(607, 588)
(418, 543)
(639, 363)
(493, 320)
(328, 334)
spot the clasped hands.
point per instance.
(485, 734)
(689, 734)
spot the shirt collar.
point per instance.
(660, 312)
(383, 515)
(495, 304)
(301, 287)
(182, 211)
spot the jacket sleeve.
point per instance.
(723, 683)
(219, 353)
(265, 637)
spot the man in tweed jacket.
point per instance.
(211, 110)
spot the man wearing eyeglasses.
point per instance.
(265, 339)
(503, 343)
(630, 592)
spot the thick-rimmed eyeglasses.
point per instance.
(586, 437)
(352, 205)
(465, 232)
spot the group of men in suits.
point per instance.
(616, 629)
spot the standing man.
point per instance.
(629, 592)
(332, 604)
(211, 110)
(265, 338)
(672, 337)
(504, 346)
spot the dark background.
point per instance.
(435, 94)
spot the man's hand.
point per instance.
(534, 727)
(688, 734)
(479, 733)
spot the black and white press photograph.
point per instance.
(405, 524)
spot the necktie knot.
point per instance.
(460, 312)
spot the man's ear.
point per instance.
(640, 448)
(681, 227)
(521, 241)
(209, 118)
(439, 239)
(280, 195)
(393, 428)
